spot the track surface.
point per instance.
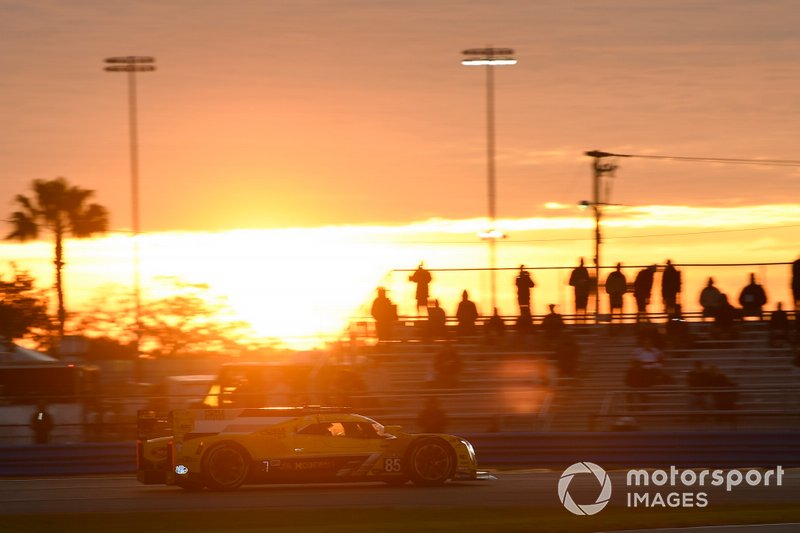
(509, 489)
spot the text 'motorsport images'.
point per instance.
(222, 449)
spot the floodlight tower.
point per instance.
(490, 57)
(132, 65)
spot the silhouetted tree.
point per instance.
(187, 321)
(22, 308)
(111, 314)
(63, 210)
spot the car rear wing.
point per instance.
(152, 424)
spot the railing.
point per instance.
(413, 329)
(698, 407)
(552, 286)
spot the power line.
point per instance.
(703, 232)
(576, 239)
(607, 267)
(726, 160)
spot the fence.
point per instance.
(700, 407)
(552, 286)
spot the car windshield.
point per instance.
(363, 428)
(376, 427)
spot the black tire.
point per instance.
(191, 485)
(430, 462)
(226, 466)
(396, 481)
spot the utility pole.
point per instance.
(599, 169)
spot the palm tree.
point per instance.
(62, 209)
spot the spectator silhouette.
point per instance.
(552, 325)
(422, 278)
(752, 299)
(447, 367)
(580, 280)
(796, 284)
(648, 353)
(616, 287)
(797, 337)
(778, 327)
(348, 388)
(568, 353)
(677, 329)
(437, 322)
(651, 360)
(638, 380)
(642, 288)
(670, 287)
(725, 320)
(432, 419)
(524, 324)
(466, 314)
(710, 299)
(648, 329)
(697, 381)
(495, 327)
(41, 424)
(724, 398)
(524, 284)
(385, 314)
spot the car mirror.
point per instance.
(393, 430)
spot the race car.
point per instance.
(222, 449)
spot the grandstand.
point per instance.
(513, 386)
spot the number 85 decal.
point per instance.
(392, 465)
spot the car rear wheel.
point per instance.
(226, 467)
(430, 462)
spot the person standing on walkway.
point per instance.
(466, 314)
(422, 278)
(41, 423)
(670, 287)
(385, 314)
(616, 287)
(581, 281)
(710, 299)
(752, 299)
(524, 284)
(642, 288)
(796, 284)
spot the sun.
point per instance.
(300, 287)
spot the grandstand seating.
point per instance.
(512, 387)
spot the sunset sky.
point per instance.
(268, 115)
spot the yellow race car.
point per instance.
(224, 448)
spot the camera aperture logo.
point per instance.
(673, 488)
(589, 508)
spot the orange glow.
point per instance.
(301, 286)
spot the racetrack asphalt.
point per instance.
(509, 489)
